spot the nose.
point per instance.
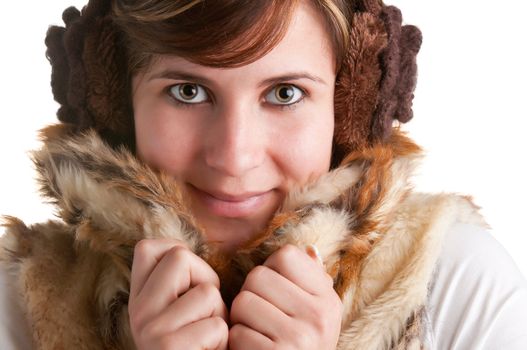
(235, 141)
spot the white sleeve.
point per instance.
(478, 300)
(14, 331)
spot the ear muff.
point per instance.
(89, 73)
(398, 62)
(376, 82)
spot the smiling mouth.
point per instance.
(230, 206)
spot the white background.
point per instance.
(469, 108)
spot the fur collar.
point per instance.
(377, 240)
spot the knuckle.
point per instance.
(146, 333)
(320, 318)
(316, 314)
(235, 332)
(300, 338)
(324, 319)
(321, 315)
(134, 328)
(305, 342)
(286, 254)
(329, 280)
(322, 325)
(136, 319)
(149, 331)
(255, 275)
(332, 303)
(289, 251)
(178, 256)
(336, 303)
(177, 261)
(143, 248)
(213, 279)
(246, 297)
(165, 342)
(219, 325)
(218, 329)
(149, 246)
(208, 292)
(242, 300)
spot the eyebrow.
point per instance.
(292, 76)
(178, 75)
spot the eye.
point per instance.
(189, 93)
(284, 95)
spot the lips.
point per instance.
(230, 205)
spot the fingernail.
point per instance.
(313, 252)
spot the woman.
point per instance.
(249, 158)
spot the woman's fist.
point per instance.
(175, 301)
(287, 303)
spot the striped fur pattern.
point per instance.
(378, 240)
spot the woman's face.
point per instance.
(239, 139)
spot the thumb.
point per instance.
(313, 252)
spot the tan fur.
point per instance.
(378, 240)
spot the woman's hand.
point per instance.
(287, 303)
(175, 301)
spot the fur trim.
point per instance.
(377, 240)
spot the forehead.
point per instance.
(223, 33)
(306, 34)
(306, 46)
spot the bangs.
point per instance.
(212, 33)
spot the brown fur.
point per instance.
(365, 199)
(75, 275)
(412, 337)
(356, 88)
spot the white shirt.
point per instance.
(478, 297)
(477, 300)
(14, 331)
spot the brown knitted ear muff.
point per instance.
(89, 75)
(376, 82)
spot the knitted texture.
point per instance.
(89, 76)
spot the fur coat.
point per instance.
(378, 239)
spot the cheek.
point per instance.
(309, 150)
(161, 141)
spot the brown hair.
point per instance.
(216, 33)
(95, 54)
